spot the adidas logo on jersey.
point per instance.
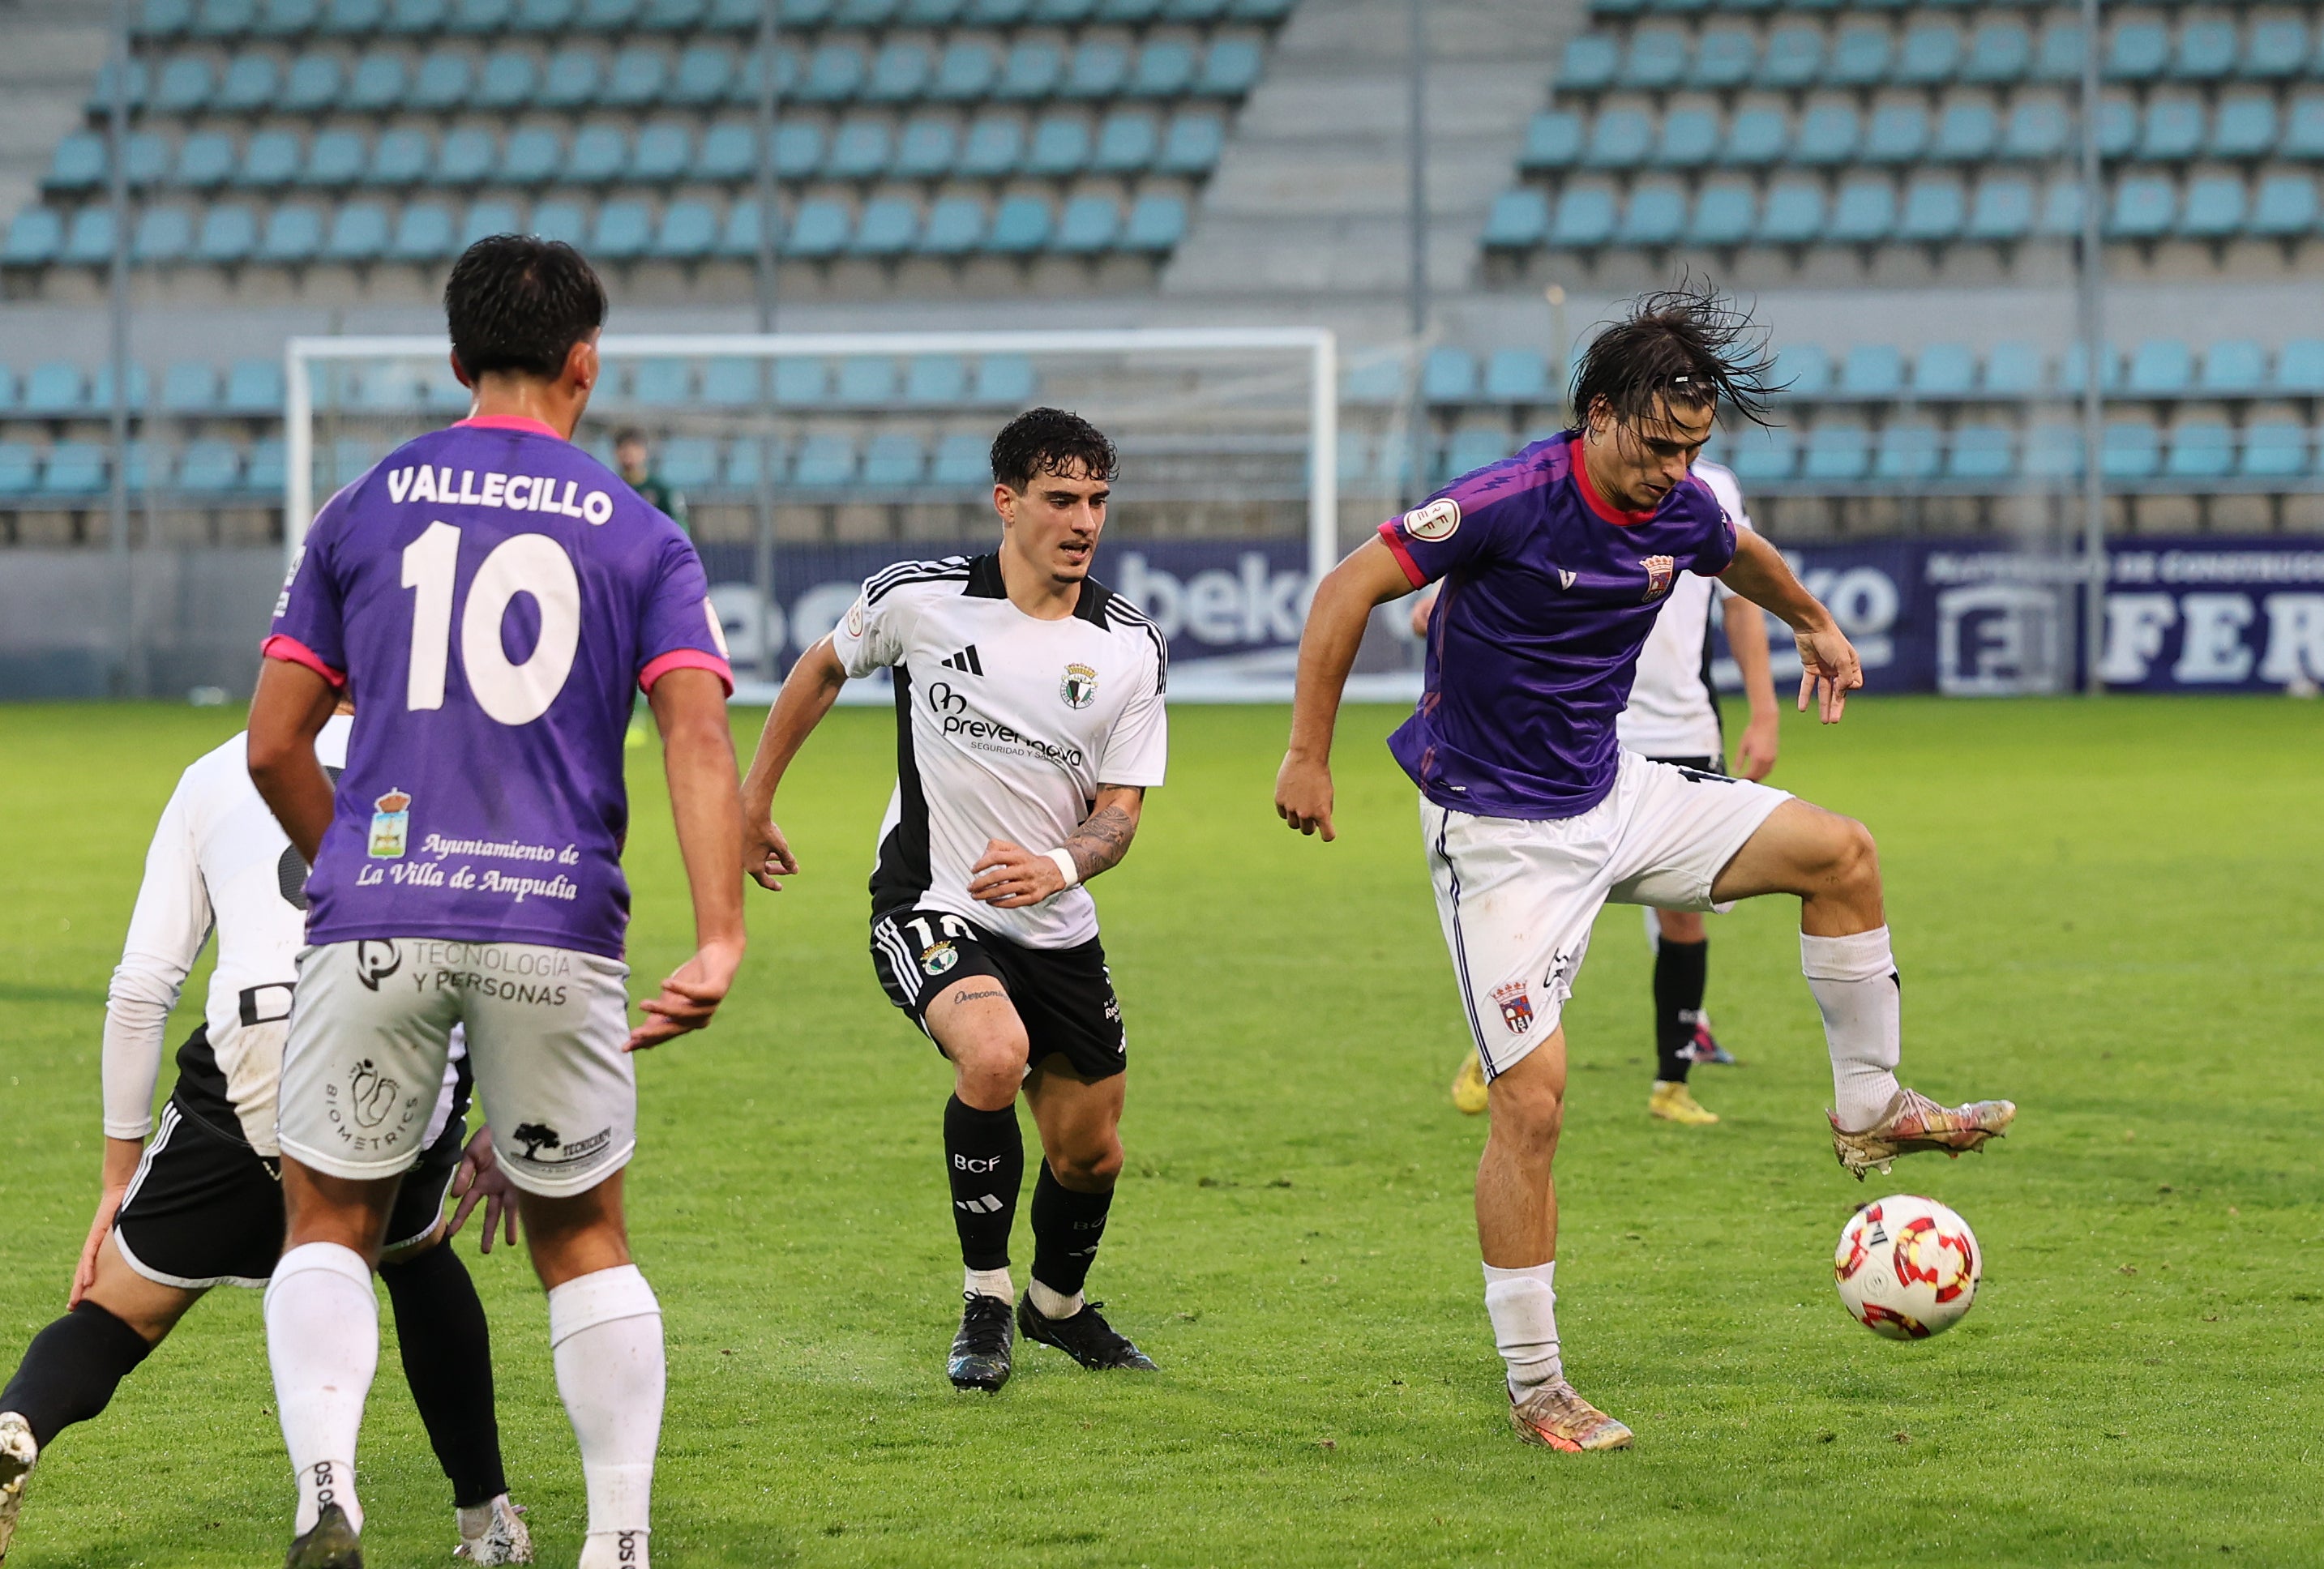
(965, 660)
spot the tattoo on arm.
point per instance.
(1101, 842)
(979, 996)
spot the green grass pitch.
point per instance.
(2108, 911)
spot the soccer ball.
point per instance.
(1906, 1266)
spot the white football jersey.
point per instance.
(1006, 725)
(1673, 711)
(219, 860)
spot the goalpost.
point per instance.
(806, 456)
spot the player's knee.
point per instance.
(991, 1068)
(1088, 1171)
(1855, 857)
(1531, 1111)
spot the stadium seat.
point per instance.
(184, 86)
(209, 467)
(1005, 379)
(2130, 449)
(895, 461)
(687, 232)
(687, 463)
(74, 468)
(2139, 50)
(1554, 139)
(229, 234)
(2299, 366)
(732, 381)
(480, 17)
(20, 468)
(889, 226)
(2000, 52)
(2214, 209)
(1793, 58)
(730, 152)
(1764, 456)
(423, 233)
(2201, 449)
(936, 379)
(2274, 449)
(1516, 376)
(163, 235)
(2037, 131)
(1795, 213)
(1127, 144)
(1030, 71)
(415, 18)
(1756, 136)
(2061, 217)
(1590, 63)
(1859, 56)
(1655, 215)
(1802, 371)
(336, 158)
(1656, 59)
(359, 232)
(573, 78)
(1088, 225)
(801, 383)
(1517, 219)
(1097, 69)
(1020, 225)
(100, 387)
(1980, 453)
(899, 72)
(2071, 370)
(600, 153)
(2053, 450)
(1911, 449)
(1060, 147)
(1725, 212)
(926, 149)
(702, 78)
(1967, 131)
(2235, 366)
(270, 159)
(2244, 128)
(559, 220)
(403, 156)
(1449, 375)
(955, 227)
(443, 82)
(1583, 218)
(994, 148)
(825, 462)
(1155, 224)
(1724, 59)
(663, 383)
(79, 162)
(2146, 206)
(967, 71)
(1689, 138)
(1865, 211)
(55, 387)
(378, 83)
(1936, 209)
(1165, 69)
(1945, 370)
(1193, 146)
(1619, 139)
(465, 157)
(89, 243)
(485, 217)
(508, 80)
(263, 471)
(2059, 56)
(2161, 368)
(1897, 134)
(1837, 452)
(2172, 129)
(820, 228)
(862, 149)
(2275, 46)
(962, 460)
(663, 153)
(1929, 55)
(2013, 370)
(1873, 370)
(189, 387)
(624, 230)
(2206, 50)
(835, 73)
(2303, 129)
(36, 236)
(637, 77)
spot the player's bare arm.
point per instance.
(698, 757)
(808, 692)
(1369, 577)
(1829, 667)
(1011, 877)
(1746, 639)
(287, 712)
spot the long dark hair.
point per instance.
(1690, 344)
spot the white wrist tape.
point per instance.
(1066, 868)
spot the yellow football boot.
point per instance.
(1674, 1103)
(1469, 1086)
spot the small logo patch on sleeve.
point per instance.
(1436, 520)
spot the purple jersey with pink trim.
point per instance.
(1549, 593)
(491, 595)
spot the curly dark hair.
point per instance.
(1051, 442)
(518, 302)
(1690, 344)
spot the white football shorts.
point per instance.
(1516, 897)
(370, 1025)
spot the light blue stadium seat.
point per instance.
(687, 462)
(184, 86)
(901, 72)
(747, 456)
(962, 460)
(1724, 59)
(1449, 375)
(2303, 128)
(293, 234)
(2274, 449)
(820, 228)
(467, 156)
(1097, 69)
(335, 157)
(1554, 139)
(89, 243)
(2275, 46)
(967, 71)
(2139, 50)
(994, 148)
(74, 468)
(189, 387)
(1472, 447)
(2201, 449)
(1088, 225)
(687, 232)
(209, 467)
(2070, 372)
(162, 19)
(1516, 376)
(55, 387)
(1873, 370)
(1127, 144)
(1165, 68)
(20, 468)
(895, 461)
(1897, 134)
(1804, 370)
(481, 18)
(79, 162)
(733, 381)
(1981, 452)
(2130, 449)
(378, 83)
(1022, 225)
(1375, 382)
(1725, 212)
(443, 81)
(1231, 68)
(314, 83)
(1005, 380)
(926, 148)
(137, 88)
(224, 19)
(835, 73)
(423, 233)
(2118, 127)
(1590, 63)
(2214, 209)
(1909, 449)
(2013, 370)
(936, 379)
(1944, 370)
(35, 236)
(624, 230)
(2061, 217)
(730, 152)
(1619, 139)
(955, 226)
(263, 471)
(1688, 139)
(508, 81)
(1793, 58)
(1194, 142)
(402, 156)
(1655, 215)
(1155, 224)
(163, 235)
(2161, 368)
(254, 386)
(560, 220)
(1756, 136)
(801, 383)
(862, 149)
(600, 153)
(663, 383)
(271, 159)
(1061, 147)
(1794, 212)
(1656, 59)
(889, 226)
(703, 75)
(2002, 209)
(825, 462)
(2244, 126)
(1935, 210)
(1763, 456)
(2146, 206)
(1865, 211)
(2000, 52)
(359, 233)
(534, 156)
(2206, 52)
(415, 18)
(2234, 365)
(1583, 218)
(1929, 54)
(2053, 450)
(227, 234)
(147, 160)
(1859, 56)
(639, 76)
(2174, 128)
(573, 78)
(664, 151)
(483, 219)
(2299, 366)
(1030, 71)
(100, 387)
(606, 15)
(2038, 130)
(2058, 58)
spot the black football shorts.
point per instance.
(1063, 995)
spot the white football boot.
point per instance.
(18, 1454)
(494, 1533)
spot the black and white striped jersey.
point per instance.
(1006, 725)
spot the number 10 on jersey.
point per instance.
(513, 692)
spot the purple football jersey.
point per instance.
(1549, 593)
(489, 595)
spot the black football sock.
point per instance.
(448, 1361)
(1681, 970)
(70, 1371)
(985, 1156)
(1067, 1227)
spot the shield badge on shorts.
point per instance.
(940, 957)
(1517, 1006)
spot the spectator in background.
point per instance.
(634, 457)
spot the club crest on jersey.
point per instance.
(1659, 571)
(390, 826)
(1436, 520)
(938, 957)
(1079, 688)
(1517, 1006)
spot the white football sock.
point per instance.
(1523, 1306)
(322, 1341)
(988, 1283)
(1854, 979)
(1053, 1304)
(605, 1331)
(1653, 928)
